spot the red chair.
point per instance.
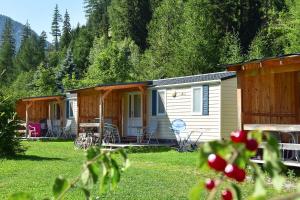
(34, 129)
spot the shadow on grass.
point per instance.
(32, 158)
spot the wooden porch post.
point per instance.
(101, 112)
(28, 105)
(78, 113)
(144, 107)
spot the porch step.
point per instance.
(129, 139)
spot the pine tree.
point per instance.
(66, 31)
(26, 31)
(67, 69)
(129, 18)
(55, 28)
(97, 16)
(7, 53)
(42, 45)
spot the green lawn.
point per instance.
(155, 175)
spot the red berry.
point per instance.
(210, 184)
(252, 145)
(216, 162)
(238, 136)
(226, 195)
(230, 170)
(234, 172)
(240, 175)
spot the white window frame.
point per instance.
(70, 103)
(201, 100)
(157, 102)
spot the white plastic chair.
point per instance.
(66, 131)
(49, 129)
(151, 130)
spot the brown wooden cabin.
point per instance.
(268, 91)
(109, 103)
(35, 109)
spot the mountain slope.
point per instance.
(17, 29)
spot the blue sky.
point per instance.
(39, 12)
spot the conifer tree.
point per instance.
(55, 28)
(42, 45)
(26, 31)
(7, 53)
(66, 31)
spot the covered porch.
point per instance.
(40, 113)
(269, 100)
(123, 106)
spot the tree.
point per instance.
(67, 69)
(97, 14)
(55, 28)
(27, 32)
(81, 45)
(29, 55)
(42, 42)
(231, 51)
(66, 31)
(7, 53)
(164, 38)
(44, 81)
(129, 19)
(111, 63)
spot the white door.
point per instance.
(134, 113)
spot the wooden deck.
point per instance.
(290, 163)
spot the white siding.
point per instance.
(229, 115)
(73, 98)
(181, 107)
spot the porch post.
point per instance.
(101, 116)
(144, 107)
(28, 105)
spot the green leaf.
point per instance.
(115, 173)
(92, 152)
(60, 185)
(197, 192)
(20, 196)
(104, 184)
(94, 171)
(126, 160)
(85, 175)
(86, 192)
(257, 135)
(237, 191)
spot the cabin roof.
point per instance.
(43, 98)
(195, 78)
(118, 85)
(236, 66)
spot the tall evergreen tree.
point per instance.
(66, 31)
(97, 14)
(42, 45)
(129, 18)
(7, 53)
(55, 28)
(26, 31)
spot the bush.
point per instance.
(9, 143)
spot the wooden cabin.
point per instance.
(121, 104)
(38, 109)
(269, 100)
(268, 91)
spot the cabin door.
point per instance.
(134, 114)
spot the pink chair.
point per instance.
(34, 129)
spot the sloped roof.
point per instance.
(195, 78)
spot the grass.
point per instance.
(164, 174)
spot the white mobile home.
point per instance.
(206, 102)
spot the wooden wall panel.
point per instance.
(270, 97)
(38, 111)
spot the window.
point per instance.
(200, 100)
(69, 109)
(197, 100)
(161, 102)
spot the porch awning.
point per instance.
(43, 98)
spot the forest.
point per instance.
(139, 40)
